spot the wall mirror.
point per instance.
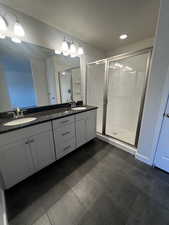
(32, 76)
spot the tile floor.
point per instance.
(97, 184)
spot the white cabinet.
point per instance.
(28, 150)
(15, 162)
(85, 127)
(24, 152)
(42, 149)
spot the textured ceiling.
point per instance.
(97, 22)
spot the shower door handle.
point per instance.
(166, 115)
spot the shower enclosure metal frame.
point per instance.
(59, 76)
(106, 83)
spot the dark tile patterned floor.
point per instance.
(97, 184)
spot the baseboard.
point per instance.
(143, 158)
(117, 144)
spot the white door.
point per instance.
(162, 155)
(42, 149)
(15, 162)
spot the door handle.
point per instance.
(166, 115)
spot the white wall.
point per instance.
(132, 47)
(157, 90)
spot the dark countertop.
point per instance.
(43, 116)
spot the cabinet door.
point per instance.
(80, 132)
(15, 162)
(91, 125)
(42, 149)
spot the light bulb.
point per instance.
(2, 36)
(80, 51)
(18, 30)
(3, 24)
(58, 52)
(123, 36)
(16, 40)
(66, 53)
(72, 49)
(65, 46)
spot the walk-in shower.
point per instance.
(117, 86)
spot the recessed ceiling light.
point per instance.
(123, 36)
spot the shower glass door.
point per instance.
(125, 96)
(95, 89)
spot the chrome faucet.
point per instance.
(16, 114)
(73, 104)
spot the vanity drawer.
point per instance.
(63, 122)
(64, 133)
(64, 148)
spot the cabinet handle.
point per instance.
(67, 147)
(65, 133)
(65, 121)
(29, 141)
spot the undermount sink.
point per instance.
(79, 108)
(20, 121)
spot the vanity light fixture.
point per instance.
(123, 36)
(18, 30)
(3, 27)
(69, 48)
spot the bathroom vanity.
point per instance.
(27, 148)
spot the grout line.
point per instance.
(49, 219)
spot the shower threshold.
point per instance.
(119, 144)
